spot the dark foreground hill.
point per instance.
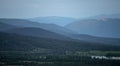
(4, 26)
(12, 42)
(37, 32)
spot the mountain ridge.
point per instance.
(97, 27)
(61, 21)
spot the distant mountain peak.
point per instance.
(58, 20)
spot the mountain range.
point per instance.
(18, 33)
(29, 28)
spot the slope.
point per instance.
(37, 32)
(14, 42)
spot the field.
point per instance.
(22, 58)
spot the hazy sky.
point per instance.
(67, 8)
